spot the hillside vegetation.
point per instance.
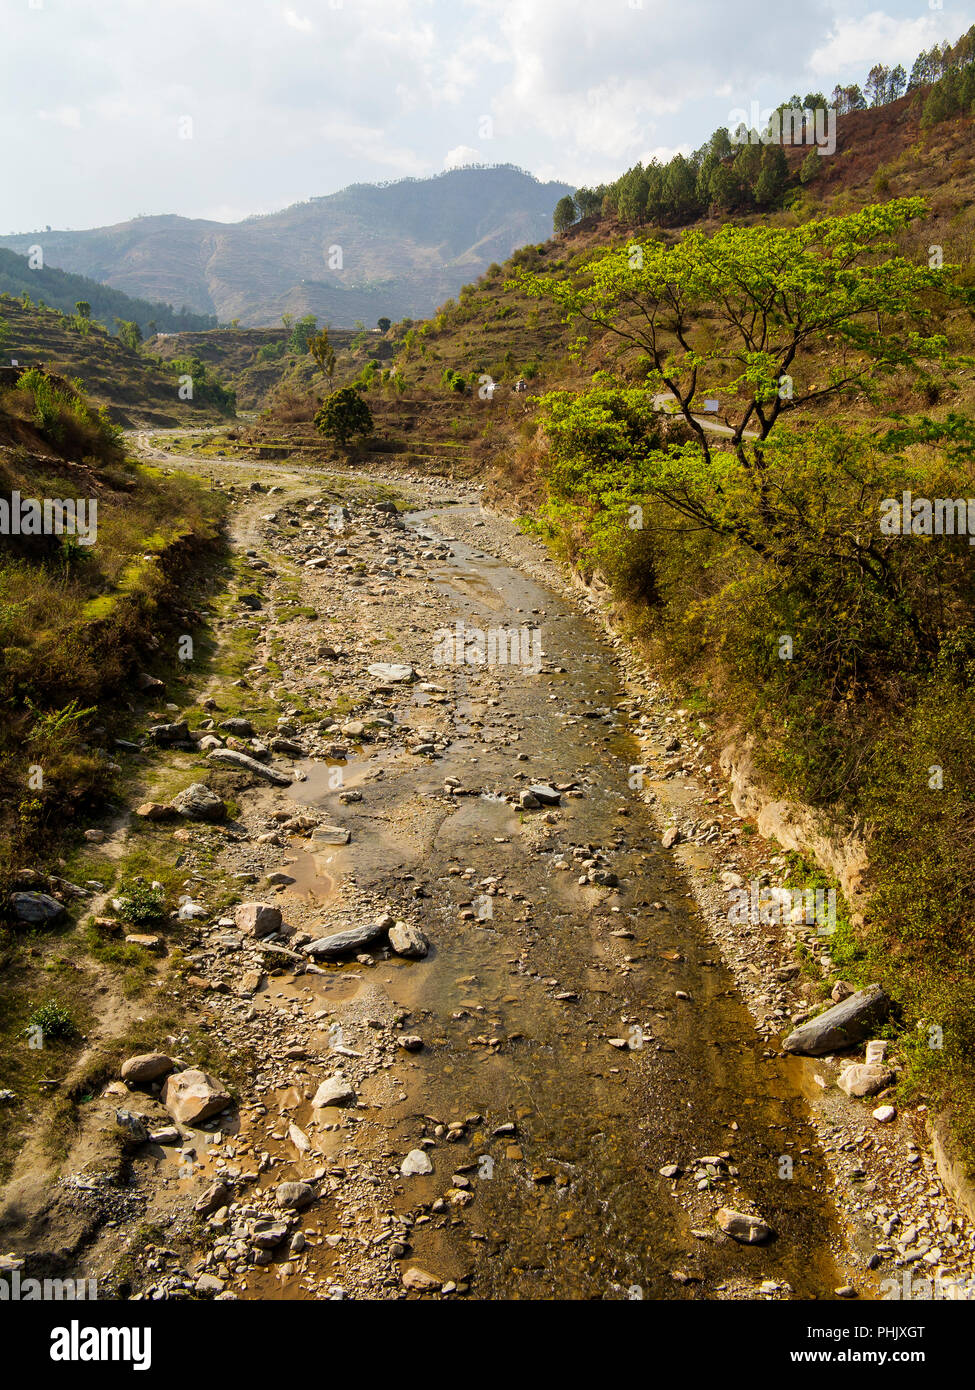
(57, 289)
(79, 616)
(137, 388)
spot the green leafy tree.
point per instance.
(810, 167)
(343, 415)
(384, 325)
(747, 313)
(773, 177)
(321, 349)
(302, 331)
(129, 332)
(589, 201)
(564, 215)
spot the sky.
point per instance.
(222, 108)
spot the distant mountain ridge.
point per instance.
(398, 249)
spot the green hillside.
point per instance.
(135, 388)
(60, 290)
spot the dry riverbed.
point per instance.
(549, 1080)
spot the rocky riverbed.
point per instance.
(503, 1041)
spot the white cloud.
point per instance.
(881, 38)
(370, 143)
(296, 21)
(461, 155)
(315, 94)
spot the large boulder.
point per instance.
(746, 1229)
(243, 727)
(865, 1079)
(408, 940)
(192, 1096)
(341, 943)
(257, 919)
(168, 733)
(334, 1090)
(844, 1025)
(294, 1195)
(146, 1067)
(39, 909)
(216, 1196)
(416, 1164)
(547, 795)
(391, 671)
(198, 802)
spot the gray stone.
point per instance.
(257, 919)
(391, 671)
(416, 1164)
(198, 802)
(192, 1096)
(169, 1134)
(242, 727)
(859, 1079)
(268, 1234)
(208, 1283)
(545, 794)
(168, 733)
(334, 1090)
(215, 1197)
(147, 1066)
(340, 943)
(294, 1195)
(37, 908)
(329, 835)
(747, 1230)
(232, 758)
(133, 1127)
(846, 1023)
(408, 940)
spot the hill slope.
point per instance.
(61, 290)
(136, 389)
(405, 247)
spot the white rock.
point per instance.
(415, 1164)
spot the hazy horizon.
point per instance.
(309, 198)
(120, 110)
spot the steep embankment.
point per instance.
(85, 607)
